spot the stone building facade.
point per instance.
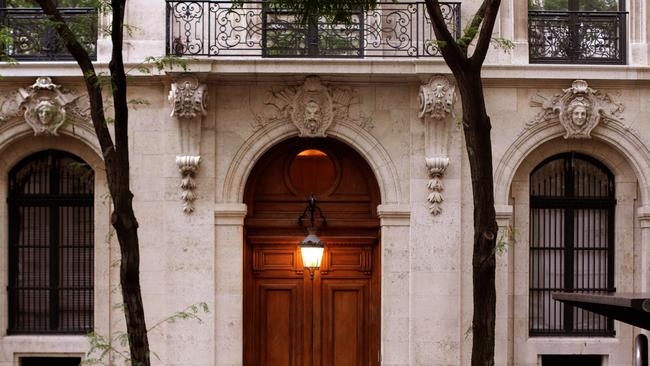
(196, 147)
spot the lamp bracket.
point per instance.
(309, 213)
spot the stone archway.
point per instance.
(290, 317)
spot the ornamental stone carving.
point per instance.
(45, 107)
(437, 102)
(579, 109)
(436, 167)
(312, 108)
(437, 98)
(188, 166)
(188, 98)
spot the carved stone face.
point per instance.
(579, 115)
(46, 112)
(312, 115)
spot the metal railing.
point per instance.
(572, 208)
(222, 28)
(577, 37)
(33, 38)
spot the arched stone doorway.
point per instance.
(289, 318)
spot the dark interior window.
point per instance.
(577, 31)
(578, 5)
(572, 360)
(50, 361)
(51, 245)
(286, 36)
(60, 3)
(572, 204)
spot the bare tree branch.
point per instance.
(90, 76)
(453, 55)
(489, 15)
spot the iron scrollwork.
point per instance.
(253, 28)
(576, 37)
(33, 36)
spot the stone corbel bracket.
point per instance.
(188, 98)
(188, 165)
(436, 168)
(437, 102)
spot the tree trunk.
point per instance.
(125, 224)
(476, 126)
(116, 160)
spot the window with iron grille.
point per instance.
(286, 36)
(572, 206)
(577, 31)
(572, 360)
(51, 245)
(50, 361)
(32, 37)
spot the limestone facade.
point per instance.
(192, 152)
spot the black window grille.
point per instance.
(577, 31)
(572, 206)
(285, 36)
(572, 360)
(50, 361)
(32, 37)
(51, 245)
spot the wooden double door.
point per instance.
(329, 317)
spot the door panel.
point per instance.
(345, 322)
(279, 322)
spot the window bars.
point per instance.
(572, 206)
(51, 245)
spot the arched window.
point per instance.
(51, 245)
(572, 206)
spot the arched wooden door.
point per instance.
(289, 318)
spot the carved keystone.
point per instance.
(579, 109)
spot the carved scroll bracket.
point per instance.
(437, 102)
(188, 98)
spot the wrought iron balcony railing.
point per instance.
(576, 37)
(253, 28)
(34, 39)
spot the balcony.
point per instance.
(577, 37)
(255, 29)
(34, 39)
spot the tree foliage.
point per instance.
(59, 3)
(583, 5)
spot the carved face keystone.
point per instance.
(579, 115)
(312, 115)
(46, 112)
